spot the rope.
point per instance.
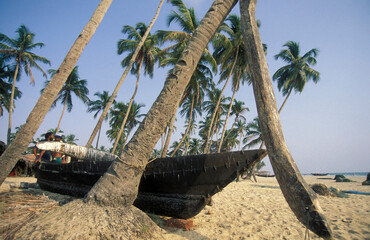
(307, 233)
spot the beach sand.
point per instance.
(258, 210)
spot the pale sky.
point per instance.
(326, 127)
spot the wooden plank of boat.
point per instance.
(177, 187)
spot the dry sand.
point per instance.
(248, 210)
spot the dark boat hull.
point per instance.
(177, 187)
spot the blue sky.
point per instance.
(326, 127)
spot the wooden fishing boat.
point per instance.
(319, 174)
(176, 186)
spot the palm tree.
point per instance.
(6, 73)
(195, 147)
(254, 135)
(111, 186)
(97, 106)
(202, 76)
(132, 61)
(238, 110)
(73, 85)
(134, 117)
(117, 114)
(230, 54)
(19, 50)
(296, 191)
(146, 58)
(9, 158)
(215, 107)
(70, 138)
(298, 70)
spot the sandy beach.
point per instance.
(258, 210)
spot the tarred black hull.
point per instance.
(177, 187)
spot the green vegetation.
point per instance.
(206, 110)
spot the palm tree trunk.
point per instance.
(11, 155)
(11, 105)
(128, 108)
(61, 116)
(97, 140)
(282, 105)
(118, 86)
(169, 134)
(300, 197)
(119, 185)
(206, 149)
(187, 129)
(226, 120)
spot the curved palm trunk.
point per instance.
(207, 146)
(123, 77)
(11, 105)
(282, 105)
(97, 140)
(187, 129)
(128, 108)
(300, 197)
(169, 134)
(61, 116)
(11, 155)
(226, 120)
(119, 185)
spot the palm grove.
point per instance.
(183, 90)
(205, 108)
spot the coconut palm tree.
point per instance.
(111, 186)
(195, 146)
(230, 54)
(19, 50)
(116, 116)
(215, 107)
(9, 158)
(134, 117)
(70, 138)
(296, 191)
(97, 106)
(238, 110)
(254, 135)
(202, 76)
(73, 85)
(297, 72)
(146, 58)
(121, 80)
(6, 74)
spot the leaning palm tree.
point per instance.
(146, 58)
(73, 85)
(121, 80)
(9, 158)
(97, 106)
(296, 191)
(230, 54)
(297, 72)
(20, 51)
(188, 22)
